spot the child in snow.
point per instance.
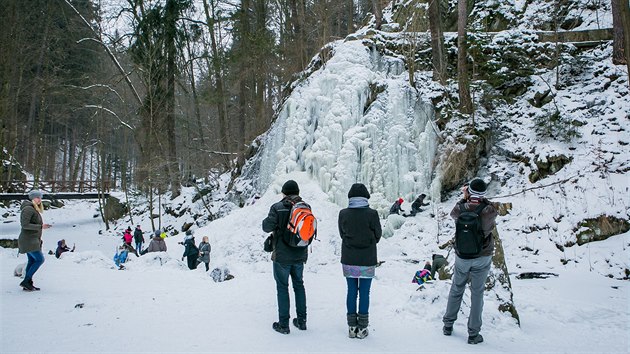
(121, 256)
(127, 236)
(417, 204)
(62, 247)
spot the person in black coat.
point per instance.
(287, 260)
(191, 252)
(417, 204)
(360, 231)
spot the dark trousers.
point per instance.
(360, 287)
(281, 274)
(35, 260)
(192, 261)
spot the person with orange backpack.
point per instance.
(293, 228)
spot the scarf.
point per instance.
(358, 202)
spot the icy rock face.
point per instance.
(354, 120)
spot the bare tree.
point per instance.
(437, 42)
(625, 20)
(378, 13)
(618, 56)
(465, 102)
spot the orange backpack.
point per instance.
(302, 225)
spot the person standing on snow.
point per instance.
(127, 237)
(138, 237)
(191, 252)
(204, 252)
(397, 207)
(30, 239)
(157, 244)
(474, 267)
(287, 260)
(360, 231)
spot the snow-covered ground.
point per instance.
(158, 305)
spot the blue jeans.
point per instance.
(35, 260)
(138, 246)
(360, 287)
(281, 274)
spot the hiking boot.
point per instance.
(26, 285)
(475, 339)
(352, 331)
(280, 329)
(447, 330)
(362, 332)
(301, 325)
(34, 287)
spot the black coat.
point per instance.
(276, 223)
(360, 231)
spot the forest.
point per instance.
(150, 93)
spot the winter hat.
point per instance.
(400, 200)
(35, 194)
(477, 188)
(158, 232)
(290, 187)
(358, 190)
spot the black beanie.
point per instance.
(477, 187)
(358, 190)
(290, 187)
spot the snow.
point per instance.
(158, 305)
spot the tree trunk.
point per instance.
(499, 273)
(378, 13)
(171, 14)
(618, 56)
(465, 102)
(625, 19)
(437, 42)
(218, 76)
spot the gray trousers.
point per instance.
(477, 271)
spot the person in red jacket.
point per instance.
(127, 236)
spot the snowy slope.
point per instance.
(161, 306)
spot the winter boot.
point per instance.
(352, 325)
(34, 287)
(362, 325)
(475, 339)
(26, 285)
(280, 328)
(300, 324)
(447, 330)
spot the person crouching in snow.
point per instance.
(397, 207)
(417, 204)
(62, 247)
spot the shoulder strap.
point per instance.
(480, 208)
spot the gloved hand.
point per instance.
(182, 259)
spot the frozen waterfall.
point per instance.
(354, 120)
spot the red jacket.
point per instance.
(128, 237)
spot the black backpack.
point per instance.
(469, 237)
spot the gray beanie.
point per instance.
(35, 193)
